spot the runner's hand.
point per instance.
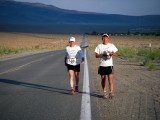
(82, 62)
(110, 53)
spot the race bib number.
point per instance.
(72, 60)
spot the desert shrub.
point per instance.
(147, 61)
(11, 50)
(152, 67)
(5, 51)
(143, 51)
(147, 57)
(127, 52)
(155, 54)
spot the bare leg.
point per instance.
(103, 83)
(71, 77)
(77, 77)
(111, 84)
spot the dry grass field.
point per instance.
(127, 41)
(136, 88)
(28, 40)
(31, 43)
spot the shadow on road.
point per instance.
(91, 94)
(37, 86)
(46, 88)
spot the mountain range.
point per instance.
(13, 13)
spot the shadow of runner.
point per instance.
(91, 94)
(36, 86)
(46, 88)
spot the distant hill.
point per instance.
(34, 14)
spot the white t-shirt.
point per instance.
(101, 49)
(73, 55)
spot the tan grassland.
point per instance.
(33, 42)
(127, 41)
(136, 88)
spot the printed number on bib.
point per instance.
(72, 60)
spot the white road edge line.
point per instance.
(85, 103)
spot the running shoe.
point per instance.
(105, 95)
(76, 89)
(111, 95)
(72, 91)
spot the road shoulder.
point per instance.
(136, 91)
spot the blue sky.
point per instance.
(125, 7)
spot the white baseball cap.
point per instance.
(72, 39)
(105, 35)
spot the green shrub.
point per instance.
(155, 55)
(143, 51)
(147, 61)
(9, 50)
(5, 51)
(144, 55)
(152, 67)
(127, 52)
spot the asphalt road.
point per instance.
(36, 87)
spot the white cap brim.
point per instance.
(72, 39)
(105, 35)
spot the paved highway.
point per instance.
(36, 87)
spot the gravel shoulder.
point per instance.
(136, 89)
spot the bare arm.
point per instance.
(99, 55)
(113, 54)
(110, 53)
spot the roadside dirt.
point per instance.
(136, 91)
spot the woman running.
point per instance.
(73, 57)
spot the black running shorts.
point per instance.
(75, 68)
(105, 70)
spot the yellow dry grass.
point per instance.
(127, 41)
(40, 41)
